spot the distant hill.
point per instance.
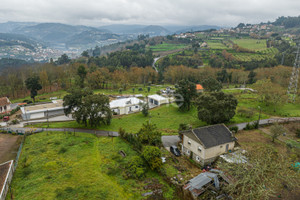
(52, 32)
(197, 28)
(8, 27)
(91, 38)
(9, 39)
(288, 22)
(152, 30)
(6, 63)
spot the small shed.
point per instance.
(199, 88)
(157, 100)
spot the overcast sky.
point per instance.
(160, 12)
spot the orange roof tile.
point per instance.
(199, 87)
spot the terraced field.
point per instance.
(167, 47)
(253, 44)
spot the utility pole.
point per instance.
(293, 86)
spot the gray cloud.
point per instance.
(182, 12)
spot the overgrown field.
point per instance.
(252, 44)
(59, 166)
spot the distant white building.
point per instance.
(41, 111)
(126, 106)
(157, 100)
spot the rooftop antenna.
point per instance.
(293, 86)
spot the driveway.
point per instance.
(169, 140)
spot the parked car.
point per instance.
(175, 150)
(6, 118)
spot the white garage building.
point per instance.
(43, 110)
(157, 100)
(126, 106)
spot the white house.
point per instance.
(205, 144)
(157, 100)
(4, 105)
(41, 111)
(126, 106)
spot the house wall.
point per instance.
(205, 156)
(126, 110)
(4, 109)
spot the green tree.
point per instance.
(211, 85)
(94, 109)
(85, 54)
(145, 109)
(216, 107)
(152, 155)
(251, 77)
(33, 84)
(81, 72)
(73, 100)
(276, 130)
(149, 135)
(63, 59)
(185, 93)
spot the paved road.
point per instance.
(155, 60)
(241, 126)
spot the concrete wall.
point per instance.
(127, 110)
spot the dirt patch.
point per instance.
(3, 173)
(9, 145)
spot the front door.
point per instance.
(227, 146)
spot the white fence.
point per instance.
(7, 179)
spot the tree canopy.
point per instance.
(185, 92)
(33, 84)
(216, 107)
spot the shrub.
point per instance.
(145, 109)
(152, 155)
(243, 112)
(135, 167)
(140, 89)
(234, 129)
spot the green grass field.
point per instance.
(252, 44)
(167, 47)
(167, 119)
(215, 44)
(58, 166)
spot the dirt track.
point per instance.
(9, 146)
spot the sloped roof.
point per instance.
(125, 102)
(199, 87)
(211, 136)
(4, 101)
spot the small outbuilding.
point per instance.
(4, 105)
(157, 100)
(205, 144)
(126, 106)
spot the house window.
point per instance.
(199, 149)
(136, 106)
(189, 142)
(188, 152)
(221, 146)
(198, 158)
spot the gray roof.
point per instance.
(211, 136)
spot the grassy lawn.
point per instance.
(58, 166)
(167, 47)
(252, 44)
(167, 118)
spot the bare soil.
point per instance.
(9, 145)
(3, 174)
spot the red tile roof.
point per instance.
(4, 101)
(199, 87)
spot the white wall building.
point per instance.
(41, 111)
(126, 105)
(157, 100)
(4, 105)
